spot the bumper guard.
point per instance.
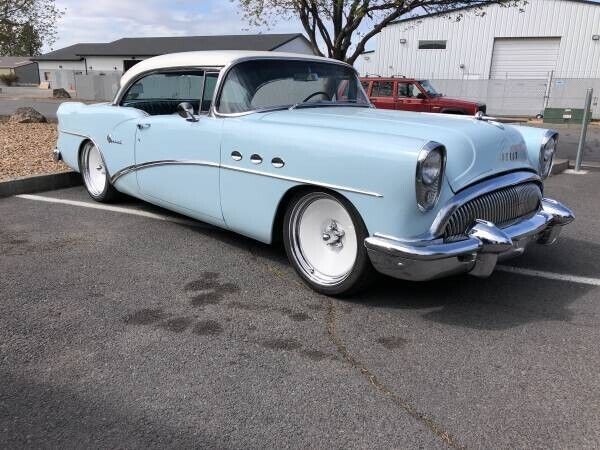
(478, 254)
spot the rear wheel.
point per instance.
(323, 238)
(95, 176)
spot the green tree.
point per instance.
(343, 27)
(27, 25)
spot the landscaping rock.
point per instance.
(60, 93)
(27, 115)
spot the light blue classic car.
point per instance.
(287, 147)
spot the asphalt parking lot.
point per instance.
(133, 328)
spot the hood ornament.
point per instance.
(479, 115)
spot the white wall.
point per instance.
(107, 63)
(366, 64)
(470, 41)
(297, 45)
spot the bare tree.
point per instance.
(336, 24)
(26, 25)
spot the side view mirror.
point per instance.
(186, 110)
(421, 96)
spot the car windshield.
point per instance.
(429, 88)
(263, 85)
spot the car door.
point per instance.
(382, 94)
(177, 159)
(409, 99)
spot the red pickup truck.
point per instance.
(410, 94)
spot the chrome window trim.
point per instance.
(121, 92)
(234, 63)
(169, 162)
(474, 191)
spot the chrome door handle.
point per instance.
(255, 159)
(143, 126)
(236, 156)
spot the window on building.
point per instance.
(382, 89)
(432, 45)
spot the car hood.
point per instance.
(476, 149)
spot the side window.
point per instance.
(210, 82)
(407, 90)
(160, 93)
(383, 89)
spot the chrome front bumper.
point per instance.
(478, 254)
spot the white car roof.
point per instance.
(213, 58)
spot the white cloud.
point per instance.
(107, 20)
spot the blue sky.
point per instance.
(107, 20)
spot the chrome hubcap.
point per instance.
(333, 234)
(323, 239)
(94, 172)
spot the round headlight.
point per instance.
(432, 168)
(547, 154)
(429, 175)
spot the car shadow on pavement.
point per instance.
(502, 301)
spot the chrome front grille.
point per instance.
(502, 207)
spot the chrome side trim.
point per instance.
(303, 181)
(85, 136)
(166, 162)
(474, 191)
(173, 162)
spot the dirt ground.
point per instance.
(26, 149)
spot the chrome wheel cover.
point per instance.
(323, 240)
(93, 169)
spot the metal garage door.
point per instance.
(524, 57)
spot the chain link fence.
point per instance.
(514, 97)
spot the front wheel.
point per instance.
(323, 237)
(95, 176)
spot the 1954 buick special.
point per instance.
(288, 147)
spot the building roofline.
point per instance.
(477, 5)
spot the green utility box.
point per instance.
(564, 115)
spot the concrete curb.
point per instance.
(587, 166)
(560, 165)
(39, 183)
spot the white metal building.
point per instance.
(562, 36)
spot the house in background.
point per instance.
(60, 67)
(26, 70)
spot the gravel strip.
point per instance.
(26, 149)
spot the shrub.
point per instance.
(9, 78)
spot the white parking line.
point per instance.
(119, 209)
(550, 275)
(150, 215)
